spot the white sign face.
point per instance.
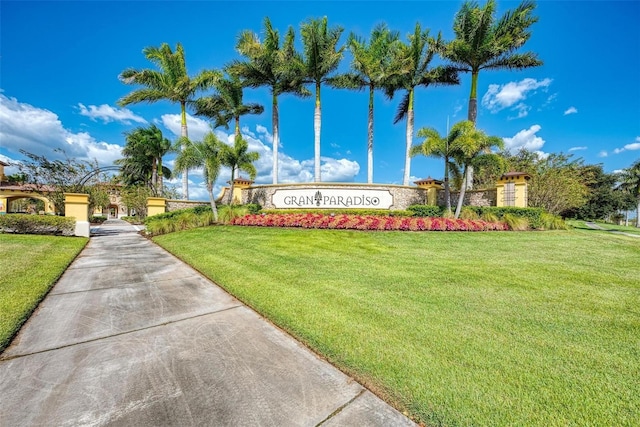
(332, 198)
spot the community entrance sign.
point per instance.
(332, 198)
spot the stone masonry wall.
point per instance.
(174, 205)
(471, 198)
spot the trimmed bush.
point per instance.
(467, 213)
(426, 210)
(552, 222)
(37, 224)
(253, 208)
(97, 219)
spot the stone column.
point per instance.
(156, 205)
(77, 205)
(239, 185)
(432, 186)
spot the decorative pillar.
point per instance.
(156, 205)
(431, 186)
(4, 205)
(77, 205)
(240, 184)
(511, 189)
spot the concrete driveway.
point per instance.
(131, 336)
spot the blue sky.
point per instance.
(60, 62)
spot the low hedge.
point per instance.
(37, 224)
(97, 219)
(426, 210)
(535, 216)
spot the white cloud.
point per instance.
(290, 170)
(196, 127)
(603, 153)
(571, 110)
(526, 139)
(629, 147)
(577, 148)
(266, 134)
(107, 114)
(499, 97)
(40, 131)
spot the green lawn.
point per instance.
(30, 266)
(502, 328)
(612, 227)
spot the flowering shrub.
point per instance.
(367, 222)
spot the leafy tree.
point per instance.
(372, 66)
(226, 104)
(135, 198)
(415, 59)
(484, 43)
(603, 199)
(53, 178)
(238, 158)
(321, 57)
(557, 183)
(269, 64)
(142, 158)
(630, 183)
(203, 154)
(440, 147)
(171, 82)
(470, 148)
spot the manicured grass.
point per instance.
(30, 266)
(606, 226)
(456, 328)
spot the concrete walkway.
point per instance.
(131, 336)
(595, 226)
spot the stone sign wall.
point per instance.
(333, 196)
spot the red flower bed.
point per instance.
(367, 222)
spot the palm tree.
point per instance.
(469, 147)
(238, 158)
(372, 66)
(272, 65)
(157, 146)
(321, 56)
(482, 43)
(142, 161)
(415, 58)
(226, 104)
(169, 82)
(204, 154)
(630, 182)
(441, 147)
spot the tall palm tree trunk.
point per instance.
(409, 139)
(154, 177)
(276, 137)
(232, 185)
(463, 188)
(472, 116)
(370, 138)
(473, 99)
(316, 130)
(447, 189)
(212, 200)
(160, 182)
(184, 134)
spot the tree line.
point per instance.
(482, 41)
